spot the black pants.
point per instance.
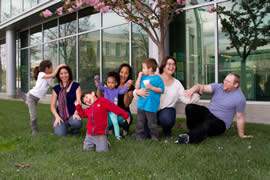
(202, 123)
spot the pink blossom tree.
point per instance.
(153, 16)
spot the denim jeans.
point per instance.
(62, 129)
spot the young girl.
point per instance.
(111, 93)
(43, 74)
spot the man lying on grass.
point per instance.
(227, 101)
(97, 112)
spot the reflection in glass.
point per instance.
(2, 68)
(67, 52)
(50, 31)
(29, 4)
(88, 20)
(139, 48)
(5, 10)
(50, 53)
(35, 35)
(257, 68)
(111, 19)
(111, 37)
(88, 60)
(68, 25)
(16, 7)
(24, 54)
(36, 58)
(196, 2)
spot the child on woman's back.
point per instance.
(43, 74)
(111, 93)
(148, 106)
(97, 112)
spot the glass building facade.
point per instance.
(94, 43)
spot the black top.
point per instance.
(121, 99)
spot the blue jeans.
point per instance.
(166, 119)
(62, 129)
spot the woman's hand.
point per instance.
(57, 121)
(76, 116)
(142, 92)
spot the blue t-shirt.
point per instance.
(71, 96)
(224, 105)
(151, 102)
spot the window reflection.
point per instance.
(50, 31)
(35, 35)
(139, 48)
(88, 20)
(256, 85)
(88, 60)
(5, 10)
(67, 52)
(24, 54)
(16, 7)
(2, 68)
(110, 19)
(36, 58)
(112, 37)
(68, 25)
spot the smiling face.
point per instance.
(89, 99)
(64, 75)
(229, 83)
(170, 67)
(111, 82)
(124, 73)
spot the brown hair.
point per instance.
(236, 78)
(150, 63)
(85, 93)
(41, 68)
(164, 63)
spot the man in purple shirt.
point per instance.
(227, 101)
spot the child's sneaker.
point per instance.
(183, 139)
(118, 138)
(125, 133)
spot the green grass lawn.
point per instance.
(50, 157)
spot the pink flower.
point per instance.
(47, 13)
(79, 4)
(67, 2)
(70, 10)
(104, 9)
(140, 21)
(114, 1)
(164, 6)
(60, 11)
(210, 9)
(179, 2)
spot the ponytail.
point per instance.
(35, 72)
(41, 68)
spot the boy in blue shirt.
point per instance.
(148, 106)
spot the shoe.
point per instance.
(110, 132)
(125, 133)
(109, 144)
(118, 138)
(183, 139)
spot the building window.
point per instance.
(117, 49)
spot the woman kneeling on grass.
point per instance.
(65, 94)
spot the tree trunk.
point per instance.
(161, 52)
(243, 77)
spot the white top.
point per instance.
(175, 93)
(41, 87)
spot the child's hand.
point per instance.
(61, 65)
(148, 86)
(128, 120)
(129, 83)
(96, 77)
(76, 103)
(140, 74)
